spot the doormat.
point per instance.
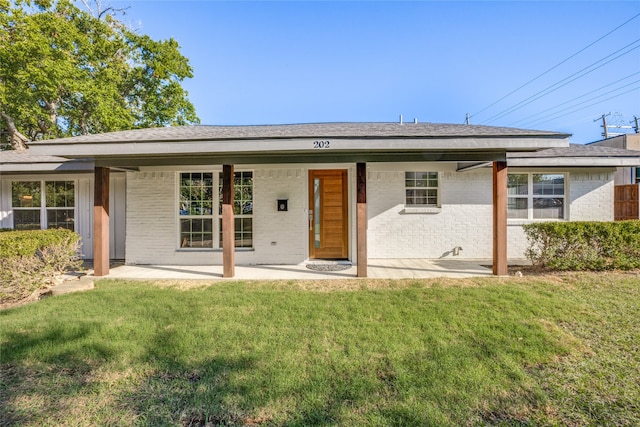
(333, 266)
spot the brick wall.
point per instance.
(465, 217)
(152, 220)
(590, 197)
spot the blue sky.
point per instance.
(299, 62)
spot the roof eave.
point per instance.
(239, 147)
(574, 162)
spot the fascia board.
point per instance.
(274, 146)
(574, 162)
(47, 167)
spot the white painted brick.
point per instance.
(465, 218)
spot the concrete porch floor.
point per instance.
(377, 269)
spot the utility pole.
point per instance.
(466, 119)
(605, 132)
(635, 119)
(619, 126)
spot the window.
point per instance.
(198, 211)
(43, 204)
(535, 196)
(421, 189)
(242, 209)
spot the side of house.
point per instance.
(40, 192)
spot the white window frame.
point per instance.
(236, 215)
(436, 188)
(530, 197)
(43, 208)
(212, 216)
(216, 211)
(422, 208)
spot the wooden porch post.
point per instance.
(228, 226)
(500, 218)
(361, 217)
(101, 222)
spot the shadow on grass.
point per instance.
(67, 372)
(60, 371)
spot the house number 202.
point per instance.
(321, 144)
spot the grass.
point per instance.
(547, 350)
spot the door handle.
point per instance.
(310, 219)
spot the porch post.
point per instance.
(101, 221)
(361, 217)
(228, 227)
(500, 218)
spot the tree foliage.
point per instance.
(66, 71)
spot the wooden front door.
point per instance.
(328, 226)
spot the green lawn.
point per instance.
(547, 350)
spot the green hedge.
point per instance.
(28, 242)
(584, 245)
(34, 259)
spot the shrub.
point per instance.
(584, 245)
(31, 260)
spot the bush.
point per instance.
(584, 245)
(31, 260)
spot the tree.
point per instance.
(66, 71)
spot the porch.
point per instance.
(377, 269)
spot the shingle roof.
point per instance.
(574, 151)
(23, 156)
(309, 130)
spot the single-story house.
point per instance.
(286, 194)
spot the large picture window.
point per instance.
(532, 196)
(43, 204)
(421, 189)
(200, 209)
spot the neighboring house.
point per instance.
(52, 192)
(627, 179)
(624, 175)
(349, 191)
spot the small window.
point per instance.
(535, 196)
(60, 202)
(421, 189)
(43, 204)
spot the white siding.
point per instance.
(5, 204)
(84, 208)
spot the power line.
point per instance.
(533, 122)
(562, 83)
(590, 105)
(555, 66)
(532, 118)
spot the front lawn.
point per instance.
(548, 350)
